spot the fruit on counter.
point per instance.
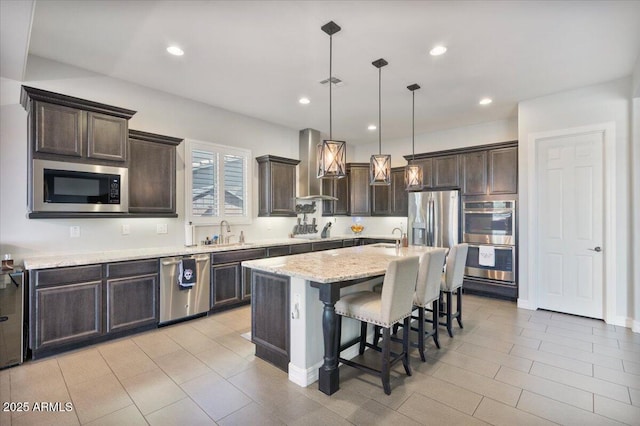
(357, 228)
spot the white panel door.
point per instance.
(570, 224)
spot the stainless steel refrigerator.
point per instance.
(434, 218)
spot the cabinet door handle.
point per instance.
(597, 249)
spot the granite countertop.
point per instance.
(336, 265)
(88, 258)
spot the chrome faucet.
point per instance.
(222, 239)
(398, 240)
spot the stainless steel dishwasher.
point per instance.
(177, 302)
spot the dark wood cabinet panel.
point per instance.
(70, 275)
(277, 251)
(58, 129)
(359, 189)
(427, 171)
(399, 195)
(238, 255)
(446, 171)
(277, 186)
(338, 188)
(152, 173)
(390, 200)
(225, 284)
(132, 302)
(503, 171)
(270, 329)
(63, 127)
(106, 137)
(474, 173)
(300, 248)
(68, 313)
(326, 245)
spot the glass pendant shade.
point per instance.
(332, 158)
(413, 177)
(380, 170)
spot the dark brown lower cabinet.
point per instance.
(270, 328)
(132, 302)
(225, 284)
(68, 314)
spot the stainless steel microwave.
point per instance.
(74, 187)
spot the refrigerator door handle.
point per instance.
(430, 224)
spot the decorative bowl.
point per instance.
(357, 228)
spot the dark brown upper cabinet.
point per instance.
(276, 186)
(390, 200)
(446, 171)
(474, 173)
(359, 189)
(66, 128)
(503, 171)
(152, 173)
(338, 188)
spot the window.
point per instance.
(217, 180)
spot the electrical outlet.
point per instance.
(161, 228)
(74, 232)
(125, 229)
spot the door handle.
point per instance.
(598, 249)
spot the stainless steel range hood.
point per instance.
(309, 186)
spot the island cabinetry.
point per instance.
(270, 324)
(229, 286)
(276, 186)
(65, 306)
(79, 130)
(152, 173)
(132, 294)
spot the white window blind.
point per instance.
(217, 183)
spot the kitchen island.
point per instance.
(293, 306)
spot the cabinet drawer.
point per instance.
(238, 255)
(300, 248)
(349, 243)
(71, 275)
(132, 268)
(277, 251)
(327, 245)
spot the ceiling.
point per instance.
(258, 58)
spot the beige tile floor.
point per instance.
(508, 366)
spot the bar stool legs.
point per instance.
(451, 315)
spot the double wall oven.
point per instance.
(489, 227)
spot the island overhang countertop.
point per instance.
(344, 264)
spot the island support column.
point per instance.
(328, 374)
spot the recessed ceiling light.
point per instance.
(485, 101)
(175, 50)
(304, 101)
(437, 51)
(372, 127)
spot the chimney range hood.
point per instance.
(309, 186)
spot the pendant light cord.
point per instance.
(379, 111)
(330, 83)
(413, 126)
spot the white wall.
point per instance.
(460, 137)
(635, 220)
(608, 102)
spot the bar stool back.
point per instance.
(384, 309)
(452, 282)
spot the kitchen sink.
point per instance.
(384, 245)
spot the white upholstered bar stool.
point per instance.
(384, 309)
(428, 293)
(452, 282)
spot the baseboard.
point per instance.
(306, 376)
(526, 304)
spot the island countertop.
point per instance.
(336, 265)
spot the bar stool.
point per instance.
(452, 282)
(384, 309)
(428, 292)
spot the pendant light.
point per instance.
(332, 154)
(413, 172)
(380, 165)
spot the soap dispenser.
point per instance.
(241, 238)
(405, 240)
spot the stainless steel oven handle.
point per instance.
(497, 246)
(484, 211)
